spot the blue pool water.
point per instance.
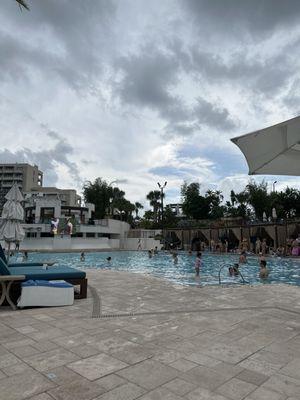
(162, 265)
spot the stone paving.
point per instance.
(139, 337)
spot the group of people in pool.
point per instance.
(234, 269)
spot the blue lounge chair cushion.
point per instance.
(28, 264)
(48, 274)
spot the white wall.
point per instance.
(146, 244)
(69, 244)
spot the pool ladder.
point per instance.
(240, 274)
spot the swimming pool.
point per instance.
(162, 265)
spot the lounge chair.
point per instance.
(71, 275)
(26, 264)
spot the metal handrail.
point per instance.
(228, 265)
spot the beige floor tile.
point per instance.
(97, 366)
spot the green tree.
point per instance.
(287, 203)
(170, 220)
(154, 197)
(215, 198)
(100, 194)
(22, 3)
(194, 205)
(147, 220)
(138, 206)
(258, 198)
(237, 206)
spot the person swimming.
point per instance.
(108, 259)
(82, 256)
(264, 272)
(243, 259)
(149, 253)
(234, 270)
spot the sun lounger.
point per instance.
(26, 264)
(71, 275)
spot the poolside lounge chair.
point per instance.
(71, 275)
(26, 264)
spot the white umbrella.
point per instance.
(274, 150)
(12, 215)
(274, 213)
(264, 216)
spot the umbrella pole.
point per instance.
(8, 252)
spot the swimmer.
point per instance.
(264, 272)
(198, 263)
(155, 250)
(108, 259)
(234, 271)
(175, 258)
(149, 253)
(82, 256)
(243, 259)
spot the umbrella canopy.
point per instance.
(274, 150)
(12, 215)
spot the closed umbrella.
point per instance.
(12, 214)
(264, 216)
(274, 150)
(274, 213)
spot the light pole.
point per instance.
(274, 183)
(161, 187)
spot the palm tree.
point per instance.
(154, 196)
(138, 206)
(22, 3)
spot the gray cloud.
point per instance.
(148, 80)
(212, 115)
(47, 160)
(63, 38)
(236, 18)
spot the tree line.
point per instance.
(254, 202)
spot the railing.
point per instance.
(239, 274)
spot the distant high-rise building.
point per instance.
(26, 176)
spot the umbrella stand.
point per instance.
(8, 252)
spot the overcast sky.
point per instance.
(145, 91)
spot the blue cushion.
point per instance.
(51, 284)
(26, 264)
(3, 268)
(48, 274)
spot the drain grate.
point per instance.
(96, 312)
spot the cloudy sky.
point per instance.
(145, 91)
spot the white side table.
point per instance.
(6, 281)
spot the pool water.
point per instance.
(162, 265)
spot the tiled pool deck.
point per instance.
(138, 337)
